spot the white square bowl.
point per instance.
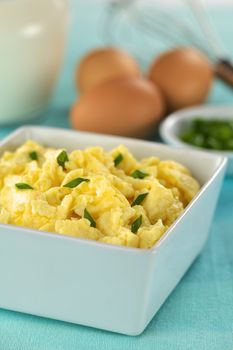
(99, 285)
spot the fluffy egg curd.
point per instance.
(109, 197)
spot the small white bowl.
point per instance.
(101, 285)
(173, 126)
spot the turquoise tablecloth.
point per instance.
(199, 313)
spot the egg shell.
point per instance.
(103, 65)
(184, 76)
(130, 107)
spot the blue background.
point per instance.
(199, 313)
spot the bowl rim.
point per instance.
(166, 128)
(222, 161)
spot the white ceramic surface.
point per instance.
(173, 126)
(32, 37)
(105, 286)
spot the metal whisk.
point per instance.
(158, 28)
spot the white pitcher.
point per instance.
(32, 38)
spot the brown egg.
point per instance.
(129, 107)
(103, 65)
(184, 76)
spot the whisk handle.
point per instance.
(224, 71)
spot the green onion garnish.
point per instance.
(136, 224)
(118, 159)
(138, 174)
(76, 182)
(139, 199)
(62, 158)
(33, 155)
(88, 216)
(23, 186)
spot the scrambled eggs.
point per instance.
(106, 196)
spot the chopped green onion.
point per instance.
(216, 134)
(88, 216)
(136, 224)
(76, 182)
(139, 199)
(138, 174)
(62, 158)
(118, 159)
(23, 186)
(33, 155)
